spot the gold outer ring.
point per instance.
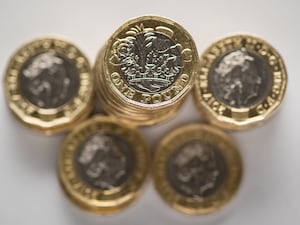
(206, 134)
(92, 199)
(228, 117)
(51, 120)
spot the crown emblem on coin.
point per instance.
(149, 60)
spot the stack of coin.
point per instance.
(242, 81)
(49, 85)
(145, 70)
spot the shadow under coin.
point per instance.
(33, 151)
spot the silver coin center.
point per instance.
(150, 62)
(240, 78)
(49, 80)
(196, 169)
(105, 161)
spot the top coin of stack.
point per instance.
(145, 70)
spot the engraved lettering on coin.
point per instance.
(49, 80)
(240, 78)
(149, 61)
(196, 169)
(105, 161)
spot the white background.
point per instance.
(30, 193)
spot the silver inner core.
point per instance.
(196, 169)
(49, 80)
(104, 161)
(150, 62)
(240, 78)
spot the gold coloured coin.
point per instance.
(145, 70)
(197, 169)
(49, 85)
(242, 81)
(103, 165)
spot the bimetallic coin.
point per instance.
(197, 169)
(148, 65)
(241, 83)
(49, 85)
(103, 165)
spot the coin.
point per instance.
(103, 165)
(146, 68)
(49, 85)
(197, 169)
(242, 81)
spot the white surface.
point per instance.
(269, 195)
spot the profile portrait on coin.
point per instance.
(49, 80)
(149, 61)
(240, 78)
(196, 169)
(104, 161)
